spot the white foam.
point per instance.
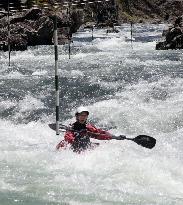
(29, 103)
(14, 75)
(39, 73)
(6, 104)
(117, 172)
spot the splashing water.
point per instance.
(128, 91)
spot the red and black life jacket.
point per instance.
(82, 140)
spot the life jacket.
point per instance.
(82, 140)
(79, 139)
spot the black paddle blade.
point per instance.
(52, 126)
(145, 141)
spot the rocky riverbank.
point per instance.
(36, 27)
(151, 11)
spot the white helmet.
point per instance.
(82, 109)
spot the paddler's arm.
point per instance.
(99, 134)
(106, 136)
(68, 139)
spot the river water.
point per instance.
(129, 89)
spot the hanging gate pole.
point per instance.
(9, 48)
(56, 74)
(92, 27)
(69, 27)
(131, 34)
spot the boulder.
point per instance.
(35, 27)
(173, 36)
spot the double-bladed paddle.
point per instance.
(143, 140)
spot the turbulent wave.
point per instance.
(128, 91)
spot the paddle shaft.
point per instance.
(143, 140)
(126, 138)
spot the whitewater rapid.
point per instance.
(128, 91)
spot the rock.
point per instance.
(17, 42)
(76, 21)
(3, 22)
(173, 36)
(35, 27)
(161, 46)
(156, 21)
(32, 15)
(101, 25)
(112, 30)
(173, 32)
(88, 25)
(45, 31)
(178, 21)
(63, 37)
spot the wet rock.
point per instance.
(88, 25)
(161, 46)
(112, 30)
(173, 36)
(17, 42)
(31, 15)
(35, 27)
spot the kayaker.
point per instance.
(79, 137)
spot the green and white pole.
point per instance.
(56, 74)
(92, 27)
(131, 34)
(69, 39)
(9, 48)
(69, 29)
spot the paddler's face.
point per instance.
(82, 117)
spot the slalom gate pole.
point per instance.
(56, 74)
(69, 29)
(9, 48)
(92, 27)
(131, 34)
(92, 33)
(69, 39)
